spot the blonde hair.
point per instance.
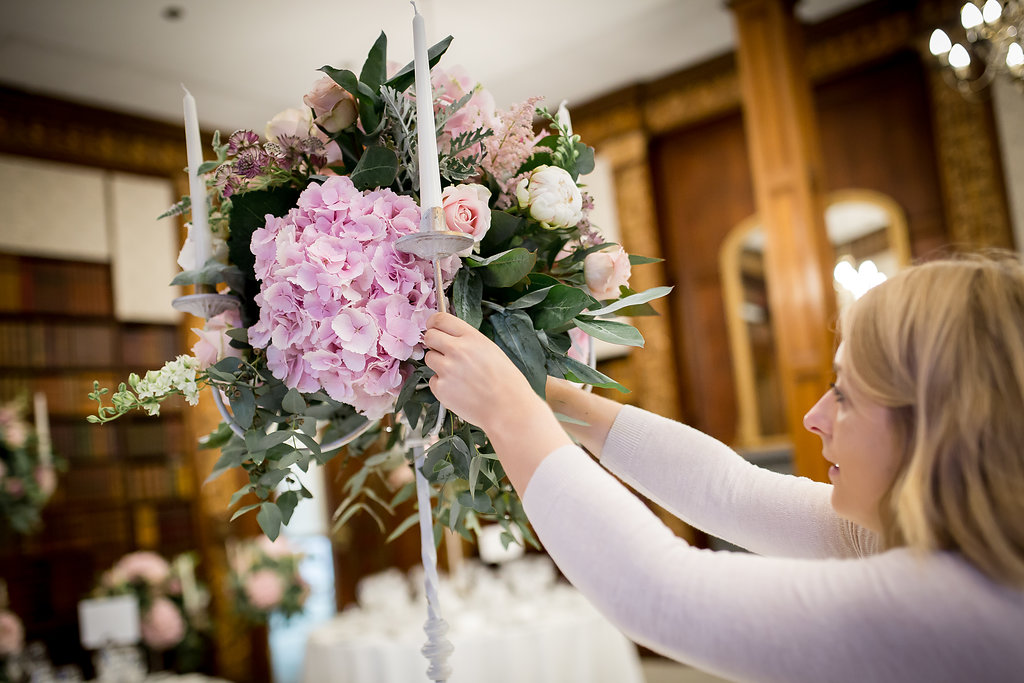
(942, 345)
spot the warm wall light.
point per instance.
(987, 43)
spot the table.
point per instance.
(543, 634)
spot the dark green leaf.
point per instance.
(514, 333)
(407, 75)
(217, 438)
(378, 167)
(269, 518)
(507, 268)
(242, 510)
(503, 227)
(375, 67)
(248, 213)
(635, 260)
(530, 299)
(611, 331)
(467, 291)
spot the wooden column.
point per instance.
(782, 138)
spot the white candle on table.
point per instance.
(430, 175)
(42, 429)
(200, 232)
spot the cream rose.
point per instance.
(214, 344)
(335, 107)
(605, 271)
(466, 210)
(552, 197)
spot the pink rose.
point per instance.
(12, 634)
(465, 210)
(264, 589)
(605, 271)
(163, 627)
(214, 344)
(46, 480)
(335, 107)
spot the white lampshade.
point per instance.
(1015, 56)
(970, 15)
(958, 57)
(991, 12)
(939, 43)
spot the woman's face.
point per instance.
(857, 437)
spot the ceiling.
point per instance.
(246, 60)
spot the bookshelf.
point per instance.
(129, 484)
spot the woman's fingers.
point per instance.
(448, 323)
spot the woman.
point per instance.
(908, 567)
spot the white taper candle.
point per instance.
(200, 231)
(430, 175)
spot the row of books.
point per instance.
(117, 483)
(35, 344)
(36, 285)
(67, 394)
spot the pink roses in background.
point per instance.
(340, 307)
(162, 626)
(605, 271)
(265, 578)
(466, 210)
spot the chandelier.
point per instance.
(989, 44)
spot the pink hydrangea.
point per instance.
(340, 307)
(163, 626)
(143, 565)
(264, 588)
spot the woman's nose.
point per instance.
(818, 419)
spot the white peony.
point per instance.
(551, 196)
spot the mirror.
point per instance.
(868, 231)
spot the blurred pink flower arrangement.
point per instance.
(172, 605)
(265, 579)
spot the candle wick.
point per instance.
(414, 8)
(185, 89)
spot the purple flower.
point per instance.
(242, 139)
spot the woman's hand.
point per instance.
(477, 381)
(474, 378)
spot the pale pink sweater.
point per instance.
(813, 604)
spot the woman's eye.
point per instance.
(835, 390)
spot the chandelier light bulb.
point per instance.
(1015, 56)
(958, 57)
(970, 16)
(939, 43)
(991, 12)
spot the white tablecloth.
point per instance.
(552, 636)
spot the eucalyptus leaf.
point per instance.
(242, 510)
(269, 518)
(530, 298)
(611, 331)
(243, 405)
(286, 502)
(293, 401)
(406, 524)
(562, 304)
(588, 375)
(632, 300)
(635, 260)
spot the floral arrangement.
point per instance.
(327, 336)
(12, 642)
(265, 579)
(28, 476)
(172, 608)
